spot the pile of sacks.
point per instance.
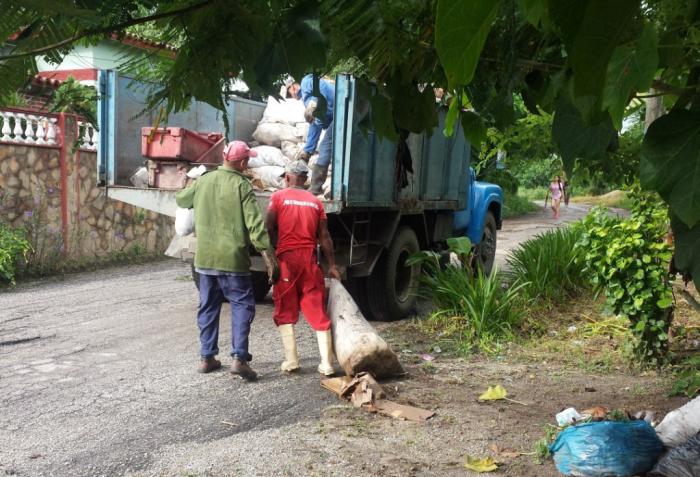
(280, 135)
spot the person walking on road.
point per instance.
(557, 190)
(304, 91)
(227, 220)
(296, 222)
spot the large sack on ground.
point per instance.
(681, 461)
(273, 134)
(357, 345)
(268, 177)
(287, 111)
(680, 425)
(606, 449)
(267, 156)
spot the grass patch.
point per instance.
(514, 205)
(617, 199)
(547, 266)
(538, 193)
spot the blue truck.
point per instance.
(386, 203)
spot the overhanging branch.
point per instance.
(107, 29)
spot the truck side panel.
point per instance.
(440, 165)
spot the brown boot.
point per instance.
(318, 177)
(242, 369)
(208, 364)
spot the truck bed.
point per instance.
(163, 200)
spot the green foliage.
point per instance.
(13, 247)
(628, 259)
(502, 177)
(549, 265)
(515, 205)
(474, 309)
(686, 378)
(73, 97)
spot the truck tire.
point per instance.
(485, 251)
(391, 287)
(260, 285)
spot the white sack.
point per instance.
(301, 130)
(184, 221)
(287, 111)
(680, 425)
(139, 178)
(197, 172)
(267, 156)
(273, 134)
(291, 150)
(268, 176)
(357, 345)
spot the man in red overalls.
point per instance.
(296, 222)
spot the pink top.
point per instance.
(556, 188)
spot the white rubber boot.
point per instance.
(325, 348)
(291, 358)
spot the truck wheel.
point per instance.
(260, 286)
(485, 252)
(391, 287)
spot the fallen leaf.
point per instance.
(494, 393)
(507, 453)
(597, 413)
(485, 464)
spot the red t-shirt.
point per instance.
(298, 213)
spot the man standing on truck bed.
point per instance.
(325, 149)
(296, 222)
(227, 219)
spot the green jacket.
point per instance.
(226, 219)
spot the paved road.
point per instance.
(97, 374)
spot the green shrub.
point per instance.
(514, 205)
(548, 266)
(13, 247)
(628, 260)
(502, 177)
(475, 309)
(538, 193)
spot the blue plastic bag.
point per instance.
(606, 449)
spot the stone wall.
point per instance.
(52, 192)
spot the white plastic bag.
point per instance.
(197, 172)
(680, 425)
(273, 134)
(184, 221)
(269, 176)
(140, 178)
(286, 111)
(267, 156)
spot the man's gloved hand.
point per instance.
(309, 112)
(273, 269)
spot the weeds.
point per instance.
(13, 247)
(548, 266)
(686, 378)
(515, 205)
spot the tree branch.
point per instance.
(107, 29)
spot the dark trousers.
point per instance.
(238, 290)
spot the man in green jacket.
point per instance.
(227, 220)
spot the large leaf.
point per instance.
(382, 117)
(461, 29)
(535, 11)
(603, 25)
(575, 138)
(631, 69)
(687, 242)
(474, 128)
(670, 163)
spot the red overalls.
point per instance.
(301, 284)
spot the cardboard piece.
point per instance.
(365, 392)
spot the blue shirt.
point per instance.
(327, 90)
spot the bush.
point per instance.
(538, 193)
(628, 260)
(502, 177)
(514, 205)
(547, 265)
(13, 247)
(473, 308)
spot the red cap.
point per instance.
(237, 151)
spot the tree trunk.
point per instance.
(357, 345)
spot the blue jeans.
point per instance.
(325, 149)
(238, 290)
